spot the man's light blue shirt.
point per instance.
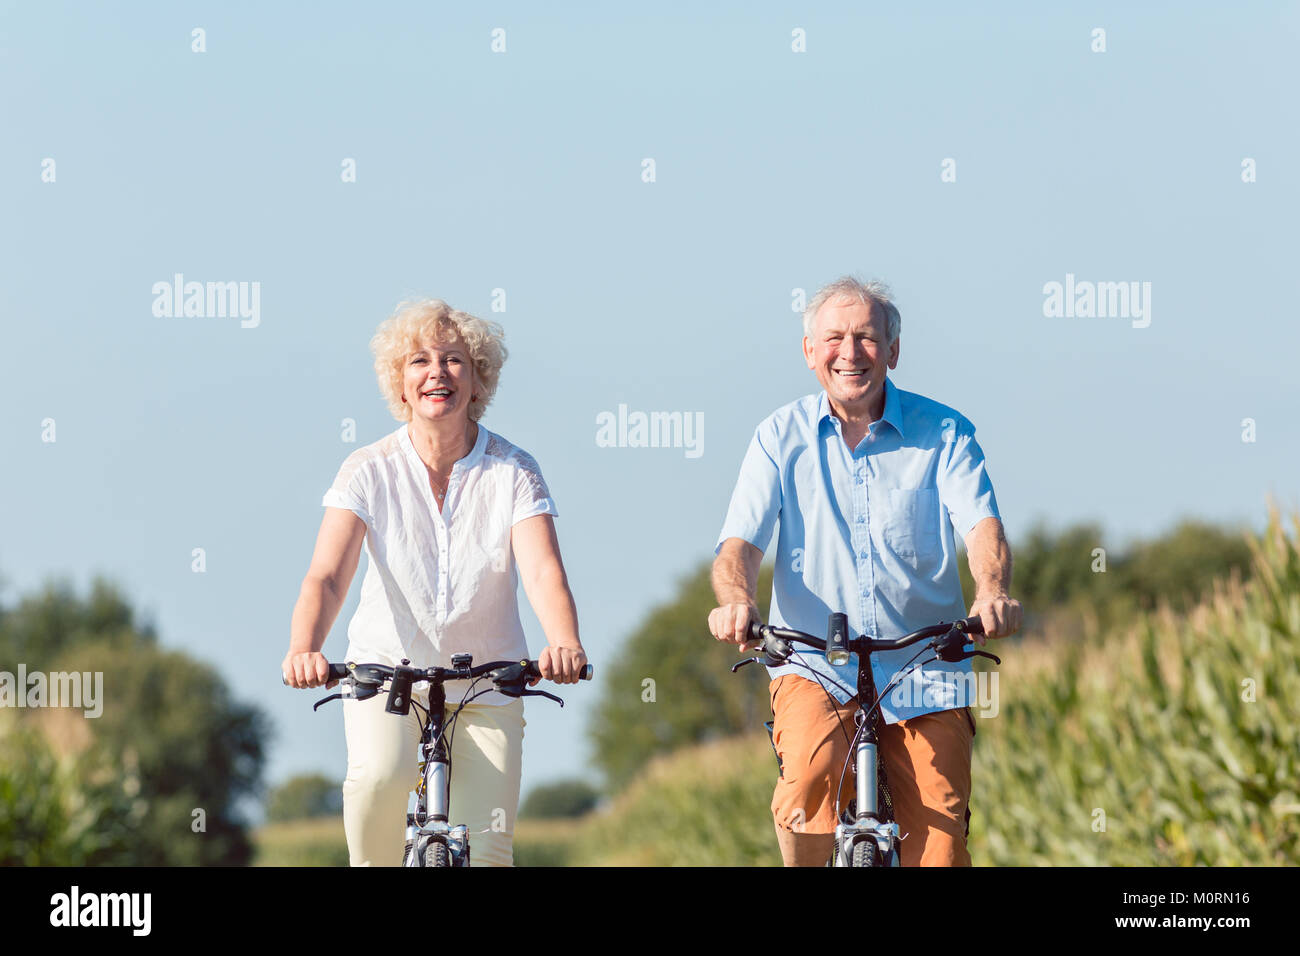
(868, 532)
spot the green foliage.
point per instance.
(707, 805)
(1181, 566)
(671, 686)
(315, 842)
(304, 797)
(1171, 742)
(1054, 568)
(1178, 735)
(566, 798)
(696, 698)
(1054, 571)
(43, 625)
(58, 811)
(170, 742)
(195, 749)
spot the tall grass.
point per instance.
(1172, 742)
(703, 806)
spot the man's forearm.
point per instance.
(990, 558)
(735, 573)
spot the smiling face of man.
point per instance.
(850, 353)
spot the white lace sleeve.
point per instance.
(349, 490)
(532, 497)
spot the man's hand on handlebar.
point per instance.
(730, 623)
(1000, 614)
(306, 669)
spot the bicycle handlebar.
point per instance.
(759, 631)
(363, 681)
(948, 641)
(376, 673)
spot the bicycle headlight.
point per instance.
(837, 640)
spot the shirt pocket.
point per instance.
(911, 524)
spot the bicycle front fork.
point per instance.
(865, 823)
(434, 803)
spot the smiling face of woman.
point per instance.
(438, 381)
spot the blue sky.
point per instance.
(522, 171)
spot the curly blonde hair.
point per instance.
(418, 320)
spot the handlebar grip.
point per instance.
(532, 671)
(755, 630)
(337, 672)
(972, 625)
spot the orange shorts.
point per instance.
(927, 763)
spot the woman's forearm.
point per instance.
(313, 616)
(553, 604)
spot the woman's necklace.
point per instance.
(434, 480)
(440, 494)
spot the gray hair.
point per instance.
(871, 294)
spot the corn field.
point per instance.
(1173, 743)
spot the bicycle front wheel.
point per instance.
(435, 854)
(864, 853)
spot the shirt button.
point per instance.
(861, 518)
(862, 554)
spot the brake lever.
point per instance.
(350, 689)
(992, 657)
(747, 660)
(950, 647)
(541, 693)
(517, 684)
(776, 651)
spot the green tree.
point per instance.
(169, 740)
(58, 811)
(566, 798)
(42, 625)
(304, 797)
(1060, 572)
(671, 684)
(197, 752)
(1180, 566)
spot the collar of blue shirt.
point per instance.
(893, 409)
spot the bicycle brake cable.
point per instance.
(848, 758)
(795, 659)
(845, 769)
(819, 677)
(450, 723)
(890, 686)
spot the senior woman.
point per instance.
(447, 512)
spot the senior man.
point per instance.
(867, 482)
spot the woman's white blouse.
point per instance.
(439, 582)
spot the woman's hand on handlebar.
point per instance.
(730, 623)
(306, 669)
(562, 664)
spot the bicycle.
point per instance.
(866, 834)
(430, 838)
